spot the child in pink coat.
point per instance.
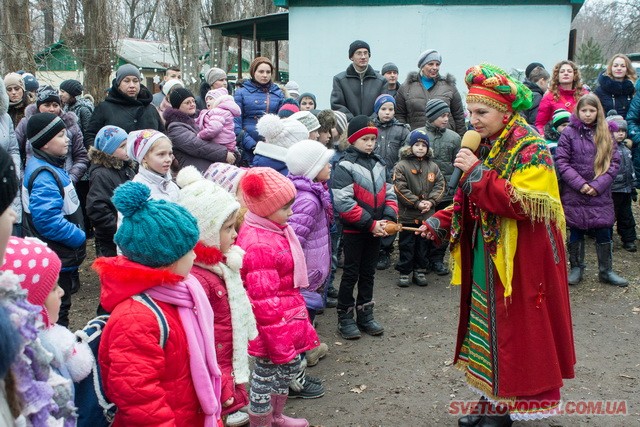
(216, 122)
(273, 271)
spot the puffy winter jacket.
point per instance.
(217, 124)
(362, 191)
(188, 148)
(548, 105)
(633, 132)
(353, 96)
(416, 179)
(151, 385)
(445, 145)
(83, 109)
(625, 181)
(270, 156)
(162, 187)
(531, 114)
(9, 142)
(615, 95)
(412, 98)
(392, 135)
(105, 175)
(255, 101)
(574, 161)
(52, 211)
(312, 214)
(77, 161)
(124, 111)
(284, 329)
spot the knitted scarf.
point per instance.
(243, 322)
(520, 157)
(300, 279)
(197, 321)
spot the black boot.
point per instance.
(605, 265)
(75, 282)
(366, 322)
(576, 260)
(347, 326)
(474, 418)
(384, 260)
(495, 421)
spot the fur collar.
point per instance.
(414, 77)
(406, 153)
(101, 158)
(612, 87)
(172, 115)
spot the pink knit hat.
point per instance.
(225, 175)
(217, 95)
(266, 190)
(36, 266)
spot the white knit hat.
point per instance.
(308, 119)
(281, 132)
(209, 203)
(166, 88)
(293, 88)
(307, 158)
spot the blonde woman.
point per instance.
(616, 85)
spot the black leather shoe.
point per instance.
(469, 420)
(495, 421)
(630, 246)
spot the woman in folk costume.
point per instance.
(506, 229)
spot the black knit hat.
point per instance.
(530, 68)
(360, 126)
(9, 179)
(42, 127)
(389, 66)
(178, 95)
(47, 94)
(358, 44)
(72, 87)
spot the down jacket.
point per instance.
(625, 181)
(537, 92)
(150, 385)
(284, 329)
(353, 96)
(77, 161)
(412, 98)
(392, 135)
(416, 179)
(188, 148)
(574, 161)
(124, 111)
(615, 95)
(9, 142)
(362, 191)
(83, 109)
(217, 124)
(255, 101)
(445, 145)
(312, 214)
(633, 132)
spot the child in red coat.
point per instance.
(273, 271)
(217, 268)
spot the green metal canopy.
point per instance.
(272, 27)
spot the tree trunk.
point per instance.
(98, 50)
(69, 29)
(16, 50)
(185, 26)
(47, 10)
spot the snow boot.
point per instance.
(261, 420)
(347, 326)
(605, 266)
(576, 260)
(281, 420)
(366, 322)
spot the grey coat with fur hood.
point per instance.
(9, 142)
(412, 98)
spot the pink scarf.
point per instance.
(197, 321)
(300, 279)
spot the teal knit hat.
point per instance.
(154, 233)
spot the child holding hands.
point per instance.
(419, 185)
(364, 198)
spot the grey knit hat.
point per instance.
(436, 108)
(389, 66)
(428, 56)
(214, 74)
(126, 70)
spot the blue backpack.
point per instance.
(94, 410)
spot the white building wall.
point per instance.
(507, 36)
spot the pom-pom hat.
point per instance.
(307, 158)
(281, 132)
(154, 233)
(266, 190)
(492, 86)
(109, 138)
(139, 142)
(360, 126)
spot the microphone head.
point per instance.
(471, 140)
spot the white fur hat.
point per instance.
(281, 132)
(308, 119)
(209, 203)
(170, 84)
(307, 158)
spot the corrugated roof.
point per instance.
(146, 54)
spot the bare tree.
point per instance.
(97, 49)
(69, 28)
(46, 6)
(141, 16)
(15, 38)
(185, 21)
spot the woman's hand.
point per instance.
(425, 232)
(231, 158)
(465, 159)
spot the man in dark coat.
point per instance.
(356, 89)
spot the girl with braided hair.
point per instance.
(506, 231)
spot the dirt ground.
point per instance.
(405, 377)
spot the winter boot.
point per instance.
(605, 265)
(347, 326)
(474, 418)
(279, 419)
(236, 419)
(315, 354)
(576, 260)
(261, 420)
(366, 322)
(384, 260)
(420, 277)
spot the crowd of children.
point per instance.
(258, 247)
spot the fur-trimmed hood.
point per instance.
(69, 118)
(101, 158)
(406, 153)
(413, 77)
(121, 278)
(171, 115)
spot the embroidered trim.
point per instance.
(474, 176)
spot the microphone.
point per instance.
(470, 141)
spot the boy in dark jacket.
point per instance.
(51, 206)
(110, 167)
(419, 185)
(364, 198)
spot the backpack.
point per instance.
(94, 410)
